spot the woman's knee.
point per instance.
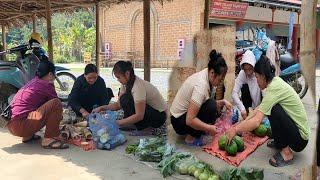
(276, 109)
(210, 105)
(56, 104)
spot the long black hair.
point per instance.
(217, 63)
(122, 67)
(264, 67)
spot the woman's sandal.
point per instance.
(61, 145)
(280, 162)
(33, 138)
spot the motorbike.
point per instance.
(292, 74)
(290, 71)
(15, 74)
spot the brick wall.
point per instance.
(123, 28)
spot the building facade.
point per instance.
(175, 22)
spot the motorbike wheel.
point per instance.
(299, 84)
(63, 84)
(7, 93)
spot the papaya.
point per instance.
(232, 148)
(223, 142)
(261, 131)
(240, 143)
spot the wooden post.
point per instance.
(295, 41)
(146, 43)
(34, 27)
(206, 14)
(4, 39)
(49, 29)
(98, 44)
(308, 62)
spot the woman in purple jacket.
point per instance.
(36, 105)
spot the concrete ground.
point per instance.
(261, 156)
(20, 161)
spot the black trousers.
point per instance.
(284, 131)
(152, 117)
(246, 97)
(208, 114)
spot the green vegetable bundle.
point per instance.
(131, 148)
(168, 164)
(153, 149)
(242, 174)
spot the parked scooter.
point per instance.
(292, 74)
(290, 71)
(15, 74)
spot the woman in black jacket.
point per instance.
(89, 90)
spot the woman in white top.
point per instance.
(142, 103)
(193, 110)
(247, 83)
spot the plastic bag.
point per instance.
(183, 164)
(224, 122)
(105, 130)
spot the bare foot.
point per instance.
(286, 153)
(50, 143)
(189, 139)
(24, 139)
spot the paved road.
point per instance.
(159, 78)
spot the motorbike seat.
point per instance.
(287, 60)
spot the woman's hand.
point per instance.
(97, 110)
(231, 132)
(228, 105)
(85, 114)
(244, 114)
(212, 130)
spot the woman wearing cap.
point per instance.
(35, 41)
(285, 111)
(246, 82)
(141, 102)
(193, 110)
(36, 105)
(89, 90)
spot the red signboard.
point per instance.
(228, 9)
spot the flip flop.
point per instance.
(61, 145)
(33, 138)
(197, 142)
(280, 162)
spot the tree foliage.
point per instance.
(73, 34)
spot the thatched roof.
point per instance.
(18, 12)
